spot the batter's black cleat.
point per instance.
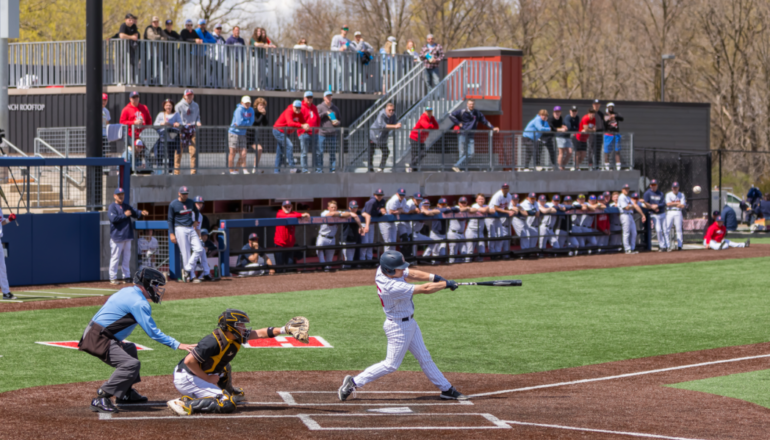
(103, 405)
(348, 387)
(10, 296)
(453, 394)
(132, 396)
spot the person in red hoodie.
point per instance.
(419, 135)
(292, 117)
(587, 125)
(715, 237)
(284, 235)
(135, 114)
(309, 138)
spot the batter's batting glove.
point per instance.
(12, 217)
(452, 285)
(438, 278)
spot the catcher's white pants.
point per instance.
(629, 231)
(193, 386)
(659, 224)
(187, 239)
(366, 253)
(325, 255)
(437, 249)
(470, 246)
(403, 337)
(717, 246)
(389, 233)
(454, 248)
(120, 249)
(674, 218)
(548, 236)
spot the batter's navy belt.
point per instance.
(403, 319)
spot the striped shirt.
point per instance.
(395, 295)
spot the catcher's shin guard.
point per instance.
(222, 404)
(226, 383)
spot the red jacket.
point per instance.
(716, 233)
(587, 120)
(310, 113)
(289, 119)
(128, 117)
(425, 122)
(284, 235)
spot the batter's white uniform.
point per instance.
(501, 227)
(456, 232)
(628, 223)
(204, 260)
(475, 229)
(674, 215)
(547, 235)
(389, 231)
(526, 227)
(402, 332)
(3, 272)
(326, 237)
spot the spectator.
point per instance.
(190, 113)
(135, 156)
(411, 50)
(340, 43)
(259, 39)
(235, 39)
(612, 136)
(327, 234)
(105, 117)
(153, 32)
(256, 137)
(254, 259)
(387, 53)
(291, 117)
(374, 207)
(432, 55)
(419, 135)
(148, 247)
(385, 122)
(587, 125)
(203, 34)
(218, 34)
(128, 29)
(170, 33)
(236, 137)
(531, 138)
(135, 115)
(302, 45)
(352, 233)
(468, 121)
(121, 234)
(189, 34)
(572, 122)
(359, 45)
(169, 123)
(597, 140)
(309, 138)
(729, 218)
(284, 235)
(328, 114)
(562, 138)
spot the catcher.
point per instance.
(205, 378)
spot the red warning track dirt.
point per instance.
(364, 277)
(639, 404)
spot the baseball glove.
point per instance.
(298, 327)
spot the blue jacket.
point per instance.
(181, 214)
(753, 195)
(127, 308)
(121, 228)
(206, 36)
(242, 117)
(730, 219)
(468, 120)
(536, 125)
(655, 198)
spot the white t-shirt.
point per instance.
(625, 201)
(499, 200)
(395, 203)
(328, 230)
(678, 197)
(474, 222)
(395, 295)
(163, 119)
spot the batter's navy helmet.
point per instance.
(392, 260)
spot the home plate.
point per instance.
(288, 342)
(396, 410)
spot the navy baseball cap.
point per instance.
(133, 94)
(606, 193)
(286, 203)
(308, 94)
(626, 186)
(198, 199)
(715, 213)
(204, 232)
(353, 204)
(253, 237)
(401, 192)
(418, 196)
(542, 197)
(425, 202)
(718, 219)
(635, 195)
(378, 192)
(183, 190)
(515, 196)
(675, 185)
(556, 197)
(592, 197)
(297, 103)
(568, 199)
(653, 182)
(532, 195)
(462, 199)
(505, 185)
(119, 191)
(442, 201)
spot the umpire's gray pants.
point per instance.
(122, 356)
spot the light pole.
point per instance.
(663, 59)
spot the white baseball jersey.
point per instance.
(327, 230)
(395, 203)
(499, 200)
(395, 295)
(474, 222)
(678, 197)
(410, 205)
(529, 206)
(623, 202)
(457, 225)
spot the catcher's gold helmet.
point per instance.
(234, 321)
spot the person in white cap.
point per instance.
(218, 34)
(359, 45)
(134, 155)
(236, 137)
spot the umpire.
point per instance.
(104, 338)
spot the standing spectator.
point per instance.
(148, 247)
(292, 117)
(500, 226)
(531, 138)
(411, 50)
(587, 125)
(353, 232)
(562, 138)
(359, 45)
(385, 122)
(597, 140)
(374, 207)
(389, 231)
(329, 115)
(204, 35)
(105, 118)
(236, 137)
(457, 231)
(572, 124)
(190, 113)
(121, 234)
(612, 136)
(153, 32)
(309, 138)
(675, 204)
(218, 34)
(418, 137)
(188, 34)
(167, 145)
(387, 53)
(129, 32)
(258, 136)
(302, 45)
(255, 259)
(340, 43)
(284, 235)
(235, 39)
(170, 33)
(432, 54)
(468, 120)
(259, 39)
(655, 201)
(135, 115)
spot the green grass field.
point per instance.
(556, 320)
(751, 387)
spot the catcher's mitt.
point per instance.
(298, 327)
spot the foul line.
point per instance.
(604, 431)
(90, 288)
(63, 293)
(620, 376)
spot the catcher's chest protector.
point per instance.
(214, 352)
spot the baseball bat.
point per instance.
(499, 283)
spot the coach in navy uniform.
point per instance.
(121, 235)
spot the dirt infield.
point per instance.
(602, 407)
(320, 280)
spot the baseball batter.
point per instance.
(375, 207)
(715, 237)
(500, 226)
(675, 203)
(656, 204)
(476, 228)
(457, 230)
(182, 224)
(396, 205)
(403, 333)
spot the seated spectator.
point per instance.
(259, 39)
(340, 43)
(135, 163)
(235, 39)
(188, 34)
(218, 34)
(203, 34)
(211, 248)
(254, 259)
(302, 45)
(715, 237)
(148, 247)
(170, 33)
(153, 32)
(419, 135)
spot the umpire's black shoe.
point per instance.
(453, 394)
(132, 396)
(103, 405)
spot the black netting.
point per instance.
(689, 169)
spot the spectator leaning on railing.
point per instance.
(153, 32)
(468, 120)
(363, 48)
(170, 33)
(259, 39)
(188, 34)
(432, 54)
(256, 137)
(218, 34)
(236, 137)
(340, 43)
(292, 117)
(302, 45)
(135, 115)
(129, 32)
(169, 123)
(235, 39)
(329, 115)
(572, 123)
(309, 138)
(612, 136)
(531, 137)
(385, 122)
(587, 125)
(419, 135)
(411, 51)
(203, 34)
(190, 113)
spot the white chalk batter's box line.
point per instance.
(74, 345)
(288, 399)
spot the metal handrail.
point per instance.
(14, 147)
(58, 153)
